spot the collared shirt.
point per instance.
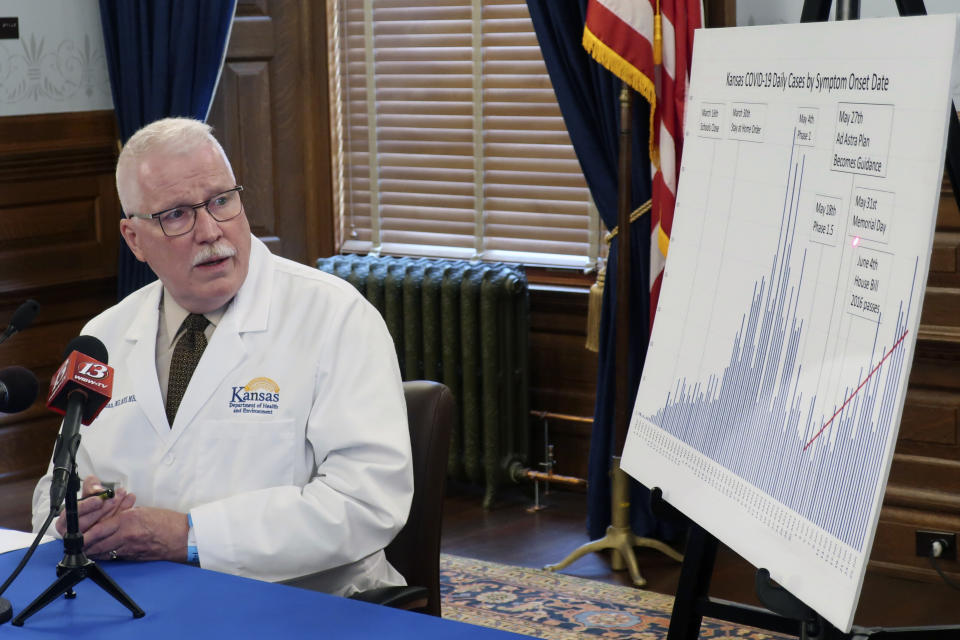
(172, 316)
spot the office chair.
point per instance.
(415, 551)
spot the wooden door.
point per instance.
(270, 113)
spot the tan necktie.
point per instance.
(186, 355)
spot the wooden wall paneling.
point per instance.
(287, 97)
(894, 548)
(563, 370)
(27, 438)
(15, 499)
(948, 216)
(563, 376)
(249, 82)
(59, 236)
(923, 490)
(945, 259)
(933, 481)
(55, 230)
(930, 419)
(941, 307)
(720, 13)
(264, 112)
(318, 152)
(54, 141)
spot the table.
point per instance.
(183, 601)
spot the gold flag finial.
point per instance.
(657, 37)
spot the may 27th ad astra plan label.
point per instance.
(777, 368)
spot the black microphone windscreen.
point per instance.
(87, 345)
(22, 387)
(24, 315)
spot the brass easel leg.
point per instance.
(619, 538)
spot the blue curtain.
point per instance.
(164, 58)
(588, 96)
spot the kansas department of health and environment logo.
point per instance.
(260, 395)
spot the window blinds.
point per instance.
(452, 143)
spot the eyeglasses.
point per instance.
(180, 220)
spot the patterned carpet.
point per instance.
(560, 607)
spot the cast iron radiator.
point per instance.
(466, 325)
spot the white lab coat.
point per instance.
(290, 448)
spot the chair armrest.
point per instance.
(395, 597)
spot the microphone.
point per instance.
(79, 391)
(21, 319)
(18, 389)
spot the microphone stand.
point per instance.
(75, 566)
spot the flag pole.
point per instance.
(619, 537)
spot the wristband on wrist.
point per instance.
(193, 557)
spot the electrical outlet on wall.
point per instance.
(925, 540)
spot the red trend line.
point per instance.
(847, 401)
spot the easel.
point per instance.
(785, 613)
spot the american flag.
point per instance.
(625, 37)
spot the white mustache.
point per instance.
(212, 252)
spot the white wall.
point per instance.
(751, 12)
(58, 64)
(754, 12)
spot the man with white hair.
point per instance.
(257, 423)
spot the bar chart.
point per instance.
(754, 420)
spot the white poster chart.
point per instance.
(776, 373)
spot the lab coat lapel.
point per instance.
(226, 350)
(141, 361)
